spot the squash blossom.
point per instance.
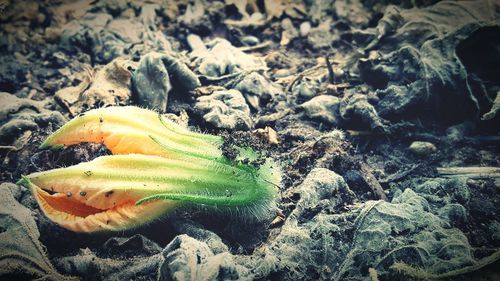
(156, 167)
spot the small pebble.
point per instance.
(282, 73)
(305, 27)
(324, 108)
(305, 91)
(256, 16)
(422, 148)
(287, 24)
(250, 40)
(270, 134)
(195, 43)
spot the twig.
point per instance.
(214, 79)
(372, 182)
(470, 172)
(297, 78)
(419, 273)
(302, 74)
(8, 147)
(262, 45)
(331, 77)
(400, 174)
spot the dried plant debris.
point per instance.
(406, 215)
(186, 258)
(158, 74)
(223, 58)
(106, 37)
(256, 89)
(434, 56)
(225, 109)
(106, 86)
(23, 122)
(304, 243)
(324, 108)
(90, 266)
(22, 256)
(152, 82)
(382, 115)
(306, 89)
(19, 115)
(494, 109)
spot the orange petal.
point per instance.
(79, 217)
(131, 129)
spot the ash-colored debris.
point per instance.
(320, 10)
(357, 107)
(323, 108)
(12, 73)
(197, 231)
(354, 12)
(306, 89)
(22, 255)
(443, 191)
(304, 28)
(256, 89)
(92, 267)
(200, 17)
(222, 58)
(119, 258)
(377, 4)
(268, 134)
(186, 258)
(108, 37)
(351, 108)
(225, 109)
(321, 36)
(17, 12)
(108, 85)
(432, 48)
(399, 239)
(249, 40)
(306, 245)
(158, 74)
(183, 79)
(495, 231)
(131, 246)
(19, 115)
(454, 214)
(151, 83)
(494, 108)
(323, 190)
(193, 14)
(404, 231)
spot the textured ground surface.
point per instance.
(361, 102)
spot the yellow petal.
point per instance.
(79, 217)
(132, 129)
